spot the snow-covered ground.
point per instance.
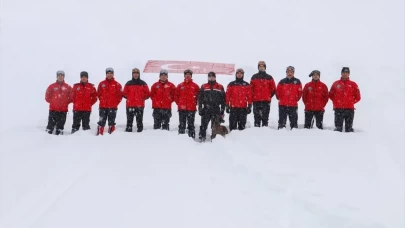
(254, 178)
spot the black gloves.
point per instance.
(200, 112)
(249, 109)
(227, 109)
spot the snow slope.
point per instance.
(255, 178)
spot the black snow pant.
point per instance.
(187, 117)
(138, 114)
(161, 118)
(237, 118)
(206, 118)
(58, 120)
(346, 116)
(261, 111)
(78, 117)
(291, 112)
(309, 115)
(107, 114)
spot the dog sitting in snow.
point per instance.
(217, 128)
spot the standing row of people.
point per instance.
(210, 100)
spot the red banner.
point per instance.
(154, 66)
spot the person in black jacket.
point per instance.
(211, 105)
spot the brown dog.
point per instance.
(217, 128)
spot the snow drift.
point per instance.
(254, 178)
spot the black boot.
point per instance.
(74, 130)
(59, 132)
(165, 127)
(202, 135)
(182, 131)
(139, 129)
(191, 133)
(128, 129)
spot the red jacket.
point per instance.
(83, 96)
(344, 94)
(136, 91)
(186, 95)
(289, 92)
(109, 93)
(162, 95)
(58, 96)
(315, 96)
(263, 87)
(238, 94)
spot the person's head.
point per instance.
(290, 71)
(315, 74)
(261, 65)
(345, 72)
(109, 72)
(84, 77)
(212, 77)
(188, 74)
(60, 76)
(239, 73)
(163, 75)
(136, 73)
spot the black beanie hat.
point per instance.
(188, 71)
(315, 72)
(84, 74)
(261, 63)
(290, 68)
(346, 69)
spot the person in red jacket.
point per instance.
(238, 101)
(263, 89)
(315, 97)
(186, 97)
(109, 93)
(83, 96)
(344, 93)
(58, 96)
(162, 95)
(136, 91)
(288, 93)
